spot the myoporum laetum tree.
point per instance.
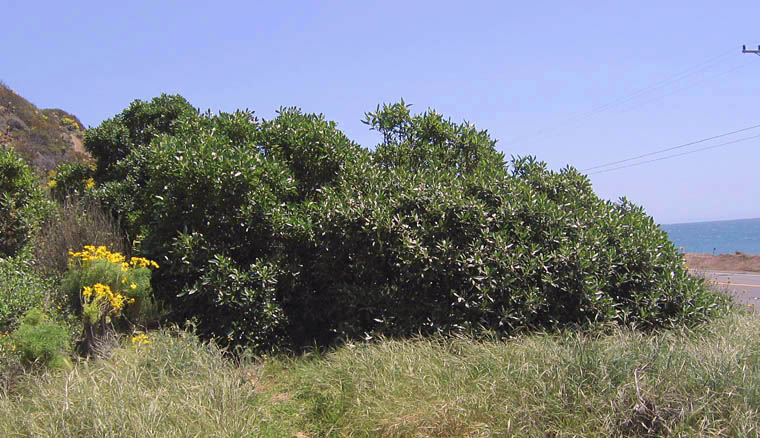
(283, 232)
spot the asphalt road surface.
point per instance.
(745, 286)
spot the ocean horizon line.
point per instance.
(709, 221)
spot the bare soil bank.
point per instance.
(738, 262)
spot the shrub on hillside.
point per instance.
(22, 203)
(285, 232)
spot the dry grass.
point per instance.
(77, 224)
(612, 382)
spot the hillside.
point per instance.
(44, 137)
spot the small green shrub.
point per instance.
(41, 340)
(70, 123)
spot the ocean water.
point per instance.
(719, 237)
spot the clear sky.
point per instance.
(573, 83)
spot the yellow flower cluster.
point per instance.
(125, 280)
(141, 339)
(103, 293)
(139, 262)
(91, 252)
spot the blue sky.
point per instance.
(578, 83)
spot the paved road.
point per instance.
(745, 286)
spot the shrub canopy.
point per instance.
(284, 232)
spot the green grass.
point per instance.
(612, 382)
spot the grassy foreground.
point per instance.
(615, 382)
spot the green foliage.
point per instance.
(313, 149)
(22, 203)
(428, 142)
(21, 289)
(431, 235)
(226, 188)
(284, 232)
(40, 340)
(245, 304)
(109, 292)
(71, 180)
(135, 126)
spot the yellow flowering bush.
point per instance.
(103, 283)
(105, 286)
(100, 300)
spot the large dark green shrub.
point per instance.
(285, 232)
(436, 232)
(228, 188)
(22, 203)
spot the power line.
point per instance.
(676, 155)
(663, 83)
(577, 117)
(685, 87)
(648, 154)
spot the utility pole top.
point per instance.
(756, 52)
